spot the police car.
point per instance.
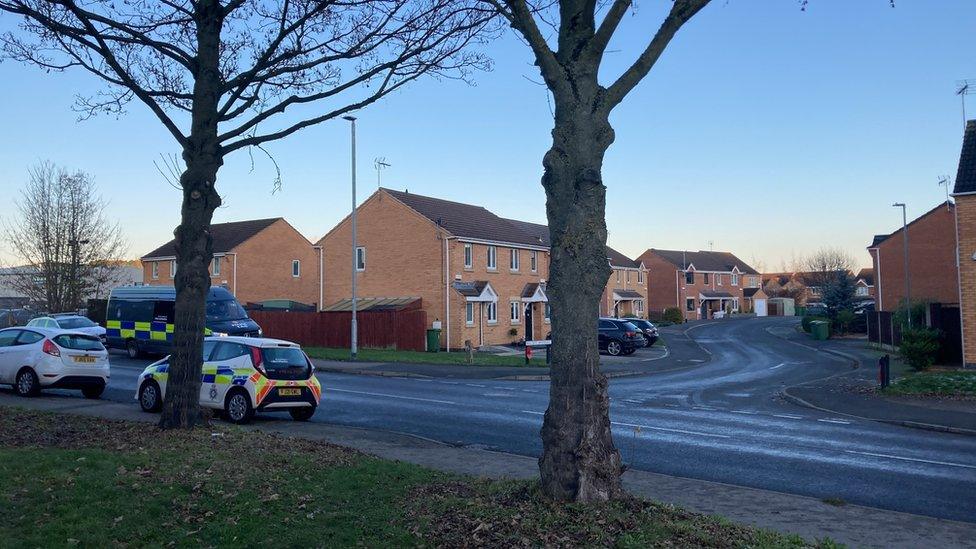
(242, 375)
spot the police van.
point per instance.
(139, 319)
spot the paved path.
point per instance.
(720, 420)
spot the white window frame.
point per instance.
(215, 267)
(514, 260)
(862, 291)
(491, 312)
(492, 258)
(534, 260)
(627, 277)
(639, 306)
(640, 276)
(692, 274)
(172, 268)
(735, 279)
(296, 268)
(469, 313)
(360, 259)
(468, 256)
(718, 279)
(154, 270)
(617, 272)
(547, 312)
(515, 311)
(694, 306)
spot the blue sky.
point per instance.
(763, 130)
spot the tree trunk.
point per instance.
(579, 460)
(194, 245)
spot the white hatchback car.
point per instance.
(75, 323)
(242, 375)
(33, 358)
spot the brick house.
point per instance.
(931, 261)
(482, 276)
(964, 194)
(257, 260)
(698, 283)
(865, 284)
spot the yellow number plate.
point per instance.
(86, 359)
(289, 392)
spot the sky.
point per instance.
(763, 130)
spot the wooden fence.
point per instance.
(884, 330)
(404, 330)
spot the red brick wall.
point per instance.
(966, 218)
(932, 262)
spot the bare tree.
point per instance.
(579, 460)
(831, 272)
(67, 250)
(220, 74)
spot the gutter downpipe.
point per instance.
(447, 292)
(233, 288)
(962, 321)
(321, 277)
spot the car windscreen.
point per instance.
(78, 342)
(75, 322)
(224, 309)
(285, 363)
(629, 326)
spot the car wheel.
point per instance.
(302, 414)
(93, 392)
(237, 407)
(132, 349)
(614, 348)
(27, 384)
(150, 397)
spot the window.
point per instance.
(492, 258)
(28, 337)
(534, 261)
(468, 256)
(689, 304)
(718, 279)
(628, 277)
(208, 347)
(7, 337)
(361, 258)
(155, 270)
(514, 259)
(607, 325)
(227, 350)
(689, 277)
(548, 312)
(735, 279)
(862, 290)
(215, 267)
(469, 313)
(617, 272)
(705, 278)
(515, 311)
(640, 277)
(172, 268)
(639, 307)
(492, 309)
(753, 281)
(296, 268)
(735, 304)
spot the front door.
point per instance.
(529, 332)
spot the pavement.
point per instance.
(853, 394)
(715, 436)
(811, 518)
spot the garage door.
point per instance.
(760, 307)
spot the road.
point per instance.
(719, 420)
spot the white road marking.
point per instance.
(533, 413)
(703, 408)
(902, 458)
(632, 401)
(475, 385)
(787, 416)
(696, 360)
(529, 391)
(450, 382)
(780, 365)
(837, 421)
(682, 431)
(390, 396)
(749, 412)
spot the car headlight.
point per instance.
(219, 334)
(260, 332)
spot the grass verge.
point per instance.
(416, 357)
(78, 481)
(944, 383)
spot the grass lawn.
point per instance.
(936, 383)
(76, 481)
(456, 357)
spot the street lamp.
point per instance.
(908, 274)
(355, 263)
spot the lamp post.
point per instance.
(355, 262)
(908, 274)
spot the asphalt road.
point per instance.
(719, 420)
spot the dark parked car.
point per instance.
(647, 328)
(619, 336)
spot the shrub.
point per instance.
(919, 347)
(805, 323)
(673, 315)
(845, 319)
(513, 332)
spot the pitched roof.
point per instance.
(627, 295)
(466, 220)
(749, 292)
(618, 259)
(713, 294)
(867, 275)
(226, 236)
(966, 176)
(879, 238)
(704, 261)
(535, 230)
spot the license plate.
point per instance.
(85, 359)
(288, 392)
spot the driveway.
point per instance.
(720, 420)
